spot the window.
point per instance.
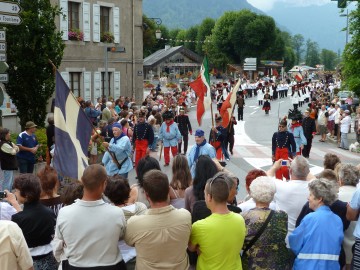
(104, 19)
(73, 15)
(74, 83)
(105, 92)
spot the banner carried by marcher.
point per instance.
(72, 132)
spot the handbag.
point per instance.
(259, 232)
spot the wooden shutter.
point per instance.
(96, 21)
(116, 20)
(116, 85)
(87, 85)
(97, 85)
(65, 76)
(86, 21)
(64, 25)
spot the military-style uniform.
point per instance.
(283, 147)
(143, 137)
(185, 127)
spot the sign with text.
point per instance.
(9, 7)
(10, 19)
(4, 77)
(2, 35)
(2, 47)
(3, 57)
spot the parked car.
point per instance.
(343, 95)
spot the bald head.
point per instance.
(93, 177)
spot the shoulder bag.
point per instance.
(259, 233)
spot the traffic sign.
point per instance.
(3, 57)
(10, 19)
(10, 7)
(2, 46)
(3, 67)
(2, 35)
(4, 77)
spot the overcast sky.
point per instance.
(266, 5)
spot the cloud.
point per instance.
(266, 5)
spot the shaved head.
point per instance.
(93, 177)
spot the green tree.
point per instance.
(312, 55)
(30, 47)
(149, 38)
(351, 54)
(191, 37)
(204, 31)
(298, 46)
(180, 37)
(329, 59)
(289, 58)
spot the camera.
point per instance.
(284, 163)
(2, 194)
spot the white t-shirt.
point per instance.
(345, 124)
(291, 197)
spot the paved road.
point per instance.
(253, 141)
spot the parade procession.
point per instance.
(132, 142)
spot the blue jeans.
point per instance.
(8, 180)
(25, 166)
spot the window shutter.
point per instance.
(97, 85)
(116, 19)
(65, 76)
(116, 85)
(64, 25)
(96, 21)
(86, 21)
(87, 85)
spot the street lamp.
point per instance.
(158, 22)
(347, 24)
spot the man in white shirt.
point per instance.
(331, 120)
(87, 232)
(322, 121)
(292, 195)
(344, 129)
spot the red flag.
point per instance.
(275, 73)
(228, 105)
(298, 77)
(200, 90)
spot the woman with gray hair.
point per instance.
(264, 246)
(348, 179)
(317, 241)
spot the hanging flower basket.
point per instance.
(171, 85)
(149, 85)
(76, 34)
(107, 37)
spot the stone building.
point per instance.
(96, 33)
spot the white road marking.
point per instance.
(240, 135)
(253, 112)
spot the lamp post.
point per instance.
(347, 25)
(158, 22)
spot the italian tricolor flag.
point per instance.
(201, 87)
(227, 107)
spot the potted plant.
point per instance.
(107, 37)
(76, 34)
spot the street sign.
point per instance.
(10, 19)
(9, 7)
(3, 67)
(4, 77)
(250, 64)
(2, 47)
(2, 35)
(3, 57)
